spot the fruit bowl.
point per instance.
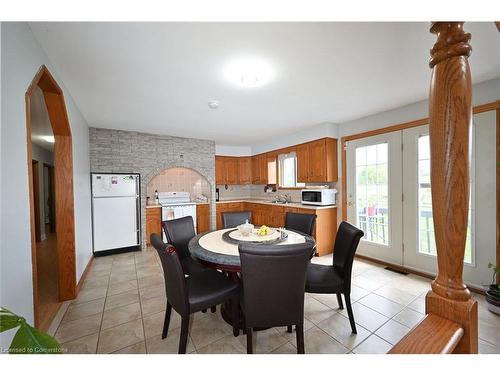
(264, 231)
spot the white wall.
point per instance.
(21, 57)
(227, 150)
(484, 92)
(306, 134)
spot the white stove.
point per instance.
(176, 204)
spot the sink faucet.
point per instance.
(283, 198)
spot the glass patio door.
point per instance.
(374, 191)
(418, 232)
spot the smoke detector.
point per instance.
(213, 104)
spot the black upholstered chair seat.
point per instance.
(198, 291)
(209, 288)
(336, 279)
(323, 279)
(273, 285)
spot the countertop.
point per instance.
(261, 201)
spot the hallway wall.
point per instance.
(21, 58)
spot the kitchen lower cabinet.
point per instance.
(226, 207)
(153, 222)
(202, 218)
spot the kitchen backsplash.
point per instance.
(257, 192)
(179, 179)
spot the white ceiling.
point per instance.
(158, 77)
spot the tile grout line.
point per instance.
(140, 306)
(103, 307)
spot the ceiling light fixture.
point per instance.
(48, 138)
(249, 72)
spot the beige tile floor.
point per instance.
(120, 309)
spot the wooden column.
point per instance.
(450, 116)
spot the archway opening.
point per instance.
(182, 179)
(51, 197)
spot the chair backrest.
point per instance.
(274, 283)
(175, 282)
(179, 232)
(233, 219)
(300, 222)
(346, 243)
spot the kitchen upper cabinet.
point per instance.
(263, 169)
(245, 170)
(255, 170)
(302, 152)
(317, 161)
(231, 174)
(259, 169)
(226, 170)
(220, 170)
(272, 168)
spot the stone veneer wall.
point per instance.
(118, 151)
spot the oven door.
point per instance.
(312, 197)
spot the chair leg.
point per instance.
(299, 329)
(289, 329)
(349, 312)
(235, 316)
(249, 341)
(184, 335)
(339, 300)
(166, 323)
(213, 309)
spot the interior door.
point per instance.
(374, 195)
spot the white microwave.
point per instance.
(319, 197)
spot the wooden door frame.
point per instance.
(64, 199)
(491, 106)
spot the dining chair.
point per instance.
(193, 293)
(303, 223)
(233, 219)
(179, 232)
(273, 282)
(336, 279)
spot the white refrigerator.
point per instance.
(115, 211)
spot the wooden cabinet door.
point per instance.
(255, 169)
(153, 222)
(302, 162)
(202, 218)
(263, 169)
(231, 171)
(317, 161)
(272, 168)
(276, 216)
(220, 170)
(245, 170)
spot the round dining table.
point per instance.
(218, 249)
